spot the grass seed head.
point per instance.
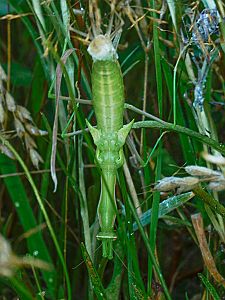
(2, 74)
(23, 113)
(217, 186)
(19, 127)
(181, 184)
(166, 184)
(2, 113)
(29, 142)
(35, 158)
(6, 151)
(11, 105)
(201, 171)
(9, 261)
(33, 130)
(5, 255)
(214, 159)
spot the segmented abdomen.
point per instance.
(108, 95)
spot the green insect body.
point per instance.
(110, 135)
(108, 95)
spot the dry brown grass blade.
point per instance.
(13, 17)
(206, 254)
(59, 72)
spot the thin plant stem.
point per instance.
(183, 130)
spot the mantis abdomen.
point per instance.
(108, 95)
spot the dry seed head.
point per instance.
(35, 158)
(1, 93)
(5, 254)
(9, 261)
(11, 105)
(23, 123)
(214, 159)
(166, 184)
(218, 178)
(186, 184)
(23, 113)
(217, 186)
(101, 48)
(2, 113)
(19, 127)
(183, 184)
(42, 132)
(201, 171)
(29, 142)
(32, 129)
(6, 151)
(1, 90)
(2, 74)
(185, 188)
(188, 181)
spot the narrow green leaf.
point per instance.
(95, 279)
(27, 219)
(210, 288)
(165, 207)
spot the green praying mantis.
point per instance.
(110, 135)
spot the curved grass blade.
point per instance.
(83, 199)
(165, 207)
(180, 129)
(59, 72)
(181, 119)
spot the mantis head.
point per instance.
(101, 48)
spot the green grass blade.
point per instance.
(210, 288)
(134, 274)
(27, 219)
(19, 287)
(180, 129)
(95, 279)
(147, 245)
(83, 200)
(39, 200)
(156, 195)
(165, 207)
